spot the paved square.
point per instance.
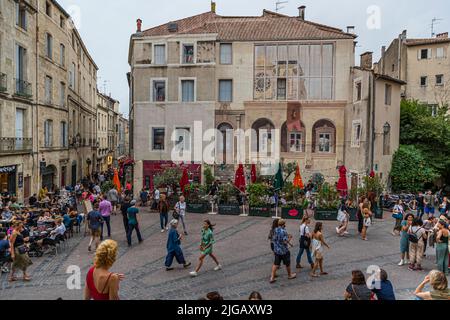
(243, 250)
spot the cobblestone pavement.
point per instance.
(244, 252)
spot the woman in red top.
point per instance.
(101, 284)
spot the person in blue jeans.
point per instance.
(163, 208)
(174, 248)
(305, 243)
(133, 223)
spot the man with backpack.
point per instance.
(95, 221)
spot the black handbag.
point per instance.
(305, 242)
(23, 249)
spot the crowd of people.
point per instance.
(52, 216)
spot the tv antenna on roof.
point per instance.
(278, 6)
(434, 21)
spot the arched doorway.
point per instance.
(262, 141)
(225, 144)
(48, 177)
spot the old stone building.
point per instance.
(423, 63)
(271, 72)
(123, 137)
(18, 155)
(47, 99)
(102, 133)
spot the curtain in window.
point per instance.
(225, 53)
(225, 90)
(187, 88)
(160, 54)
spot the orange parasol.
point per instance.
(298, 182)
(116, 180)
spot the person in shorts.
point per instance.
(281, 241)
(95, 221)
(428, 201)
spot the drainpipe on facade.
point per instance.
(372, 106)
(35, 129)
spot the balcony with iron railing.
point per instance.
(16, 145)
(3, 82)
(23, 89)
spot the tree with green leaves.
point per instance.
(410, 170)
(429, 132)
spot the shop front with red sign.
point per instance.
(153, 168)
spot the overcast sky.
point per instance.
(106, 25)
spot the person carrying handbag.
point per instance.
(305, 243)
(180, 213)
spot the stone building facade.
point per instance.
(48, 112)
(423, 63)
(272, 72)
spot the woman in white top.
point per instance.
(398, 209)
(317, 244)
(180, 209)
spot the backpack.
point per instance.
(412, 237)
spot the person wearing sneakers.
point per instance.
(404, 239)
(417, 237)
(133, 223)
(206, 247)
(163, 208)
(282, 241)
(305, 243)
(174, 247)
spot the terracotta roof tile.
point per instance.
(419, 42)
(269, 27)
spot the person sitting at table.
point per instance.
(51, 239)
(7, 215)
(14, 205)
(32, 200)
(66, 218)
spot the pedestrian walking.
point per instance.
(305, 243)
(343, 218)
(144, 197)
(163, 208)
(133, 223)
(124, 211)
(429, 202)
(367, 222)
(417, 239)
(180, 213)
(398, 213)
(442, 251)
(95, 222)
(174, 247)
(113, 197)
(105, 208)
(404, 239)
(19, 252)
(281, 242)
(420, 205)
(317, 243)
(206, 247)
(272, 232)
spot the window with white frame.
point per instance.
(296, 142)
(187, 90)
(182, 139)
(356, 134)
(158, 141)
(159, 90)
(188, 53)
(225, 90)
(48, 133)
(226, 53)
(48, 89)
(160, 54)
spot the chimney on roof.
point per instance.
(139, 25)
(404, 35)
(442, 35)
(213, 7)
(366, 60)
(351, 29)
(301, 12)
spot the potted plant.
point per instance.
(327, 202)
(258, 195)
(228, 200)
(293, 201)
(372, 188)
(195, 199)
(169, 179)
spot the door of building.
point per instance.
(27, 187)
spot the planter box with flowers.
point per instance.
(195, 198)
(258, 195)
(228, 200)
